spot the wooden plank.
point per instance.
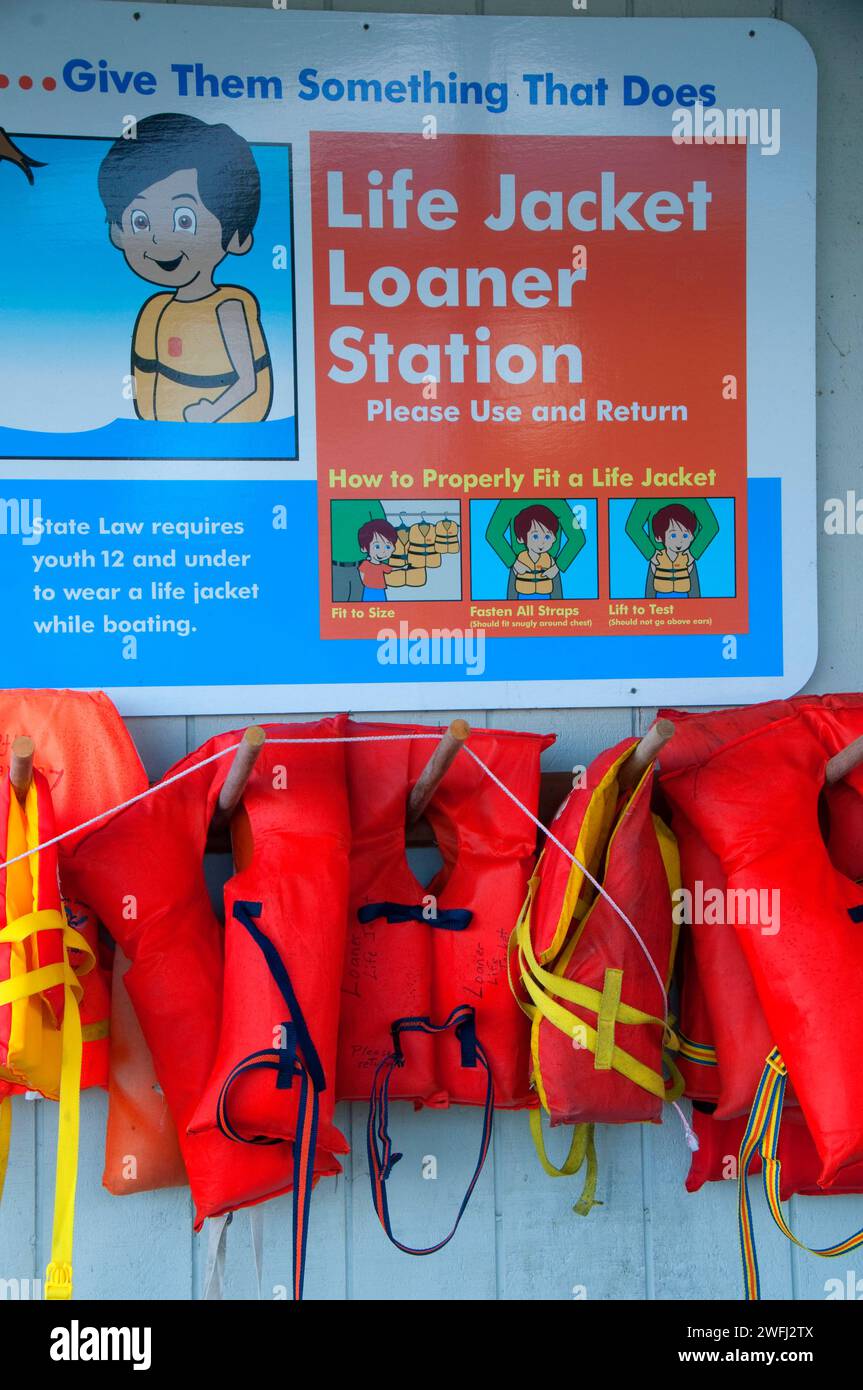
(133, 1247)
(424, 1194)
(823, 1221)
(693, 1235)
(546, 1250)
(19, 1260)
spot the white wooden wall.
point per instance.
(519, 1238)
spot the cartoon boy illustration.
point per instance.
(569, 539)
(378, 539)
(179, 198)
(672, 570)
(534, 572)
(648, 540)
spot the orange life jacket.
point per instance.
(179, 356)
(41, 959)
(535, 580)
(672, 573)
(446, 537)
(422, 548)
(84, 750)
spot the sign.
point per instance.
(405, 362)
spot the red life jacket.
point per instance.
(141, 872)
(427, 1013)
(749, 781)
(719, 1146)
(697, 1055)
(425, 952)
(599, 1024)
(285, 915)
(720, 1061)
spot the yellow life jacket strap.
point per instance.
(583, 995)
(541, 985)
(46, 919)
(37, 981)
(582, 1148)
(609, 1006)
(58, 1275)
(621, 1061)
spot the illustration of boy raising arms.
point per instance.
(180, 197)
(378, 539)
(534, 572)
(672, 570)
(500, 534)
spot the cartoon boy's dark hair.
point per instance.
(525, 519)
(228, 178)
(370, 529)
(675, 511)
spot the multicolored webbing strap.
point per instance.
(704, 1054)
(762, 1135)
(297, 1057)
(380, 1149)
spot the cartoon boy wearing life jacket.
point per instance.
(672, 572)
(378, 539)
(534, 572)
(180, 197)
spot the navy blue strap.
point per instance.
(244, 912)
(448, 918)
(297, 1057)
(382, 1160)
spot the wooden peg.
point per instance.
(648, 748)
(238, 775)
(21, 766)
(430, 778)
(844, 761)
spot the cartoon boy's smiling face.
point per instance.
(677, 538)
(170, 238)
(380, 549)
(539, 538)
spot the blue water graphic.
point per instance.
(152, 439)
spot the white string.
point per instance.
(94, 820)
(187, 772)
(588, 875)
(691, 1138)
